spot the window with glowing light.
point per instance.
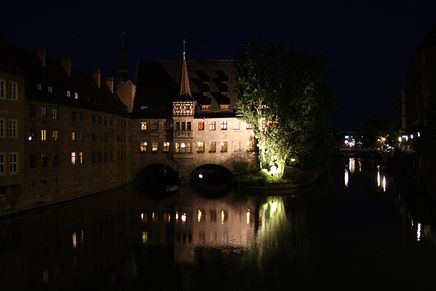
(143, 146)
(166, 146)
(154, 146)
(224, 107)
(223, 216)
(212, 125)
(144, 125)
(224, 146)
(200, 147)
(200, 125)
(73, 158)
(43, 134)
(205, 107)
(212, 147)
(201, 217)
(223, 125)
(166, 217)
(143, 217)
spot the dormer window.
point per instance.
(224, 106)
(205, 107)
(50, 89)
(68, 93)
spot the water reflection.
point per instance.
(376, 231)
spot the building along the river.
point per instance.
(66, 134)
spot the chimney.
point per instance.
(96, 75)
(66, 64)
(110, 84)
(42, 56)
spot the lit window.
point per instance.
(73, 158)
(248, 216)
(143, 146)
(13, 130)
(43, 134)
(154, 146)
(224, 216)
(166, 146)
(76, 95)
(200, 147)
(212, 125)
(13, 163)
(2, 163)
(43, 111)
(224, 147)
(2, 89)
(2, 127)
(73, 135)
(144, 125)
(50, 89)
(250, 144)
(144, 237)
(212, 148)
(39, 86)
(166, 217)
(74, 240)
(13, 90)
(55, 134)
(224, 106)
(68, 93)
(80, 157)
(182, 147)
(201, 125)
(223, 125)
(55, 113)
(205, 107)
(143, 217)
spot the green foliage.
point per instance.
(283, 94)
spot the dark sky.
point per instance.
(370, 43)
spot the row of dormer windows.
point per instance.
(68, 93)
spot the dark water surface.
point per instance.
(362, 228)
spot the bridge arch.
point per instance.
(212, 179)
(157, 180)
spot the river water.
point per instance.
(361, 228)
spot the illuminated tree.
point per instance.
(283, 95)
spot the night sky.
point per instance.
(369, 43)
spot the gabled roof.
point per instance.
(54, 75)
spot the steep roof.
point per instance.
(54, 75)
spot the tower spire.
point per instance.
(185, 88)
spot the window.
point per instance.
(39, 86)
(250, 144)
(43, 134)
(13, 131)
(177, 126)
(200, 147)
(2, 89)
(154, 146)
(13, 90)
(188, 125)
(43, 111)
(223, 216)
(81, 161)
(44, 160)
(183, 126)
(144, 125)
(223, 125)
(13, 163)
(73, 116)
(2, 163)
(155, 126)
(223, 146)
(2, 127)
(182, 147)
(55, 113)
(201, 125)
(166, 146)
(55, 158)
(73, 158)
(212, 148)
(55, 134)
(50, 89)
(224, 106)
(68, 93)
(249, 126)
(205, 107)
(76, 95)
(212, 125)
(143, 146)
(201, 217)
(73, 135)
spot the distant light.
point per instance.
(200, 176)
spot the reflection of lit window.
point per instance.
(346, 178)
(154, 146)
(166, 146)
(200, 147)
(200, 215)
(201, 236)
(74, 240)
(73, 135)
(144, 125)
(144, 237)
(183, 217)
(177, 217)
(73, 158)
(76, 95)
(224, 216)
(80, 157)
(166, 217)
(248, 216)
(143, 217)
(154, 217)
(143, 146)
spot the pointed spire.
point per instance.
(185, 88)
(123, 68)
